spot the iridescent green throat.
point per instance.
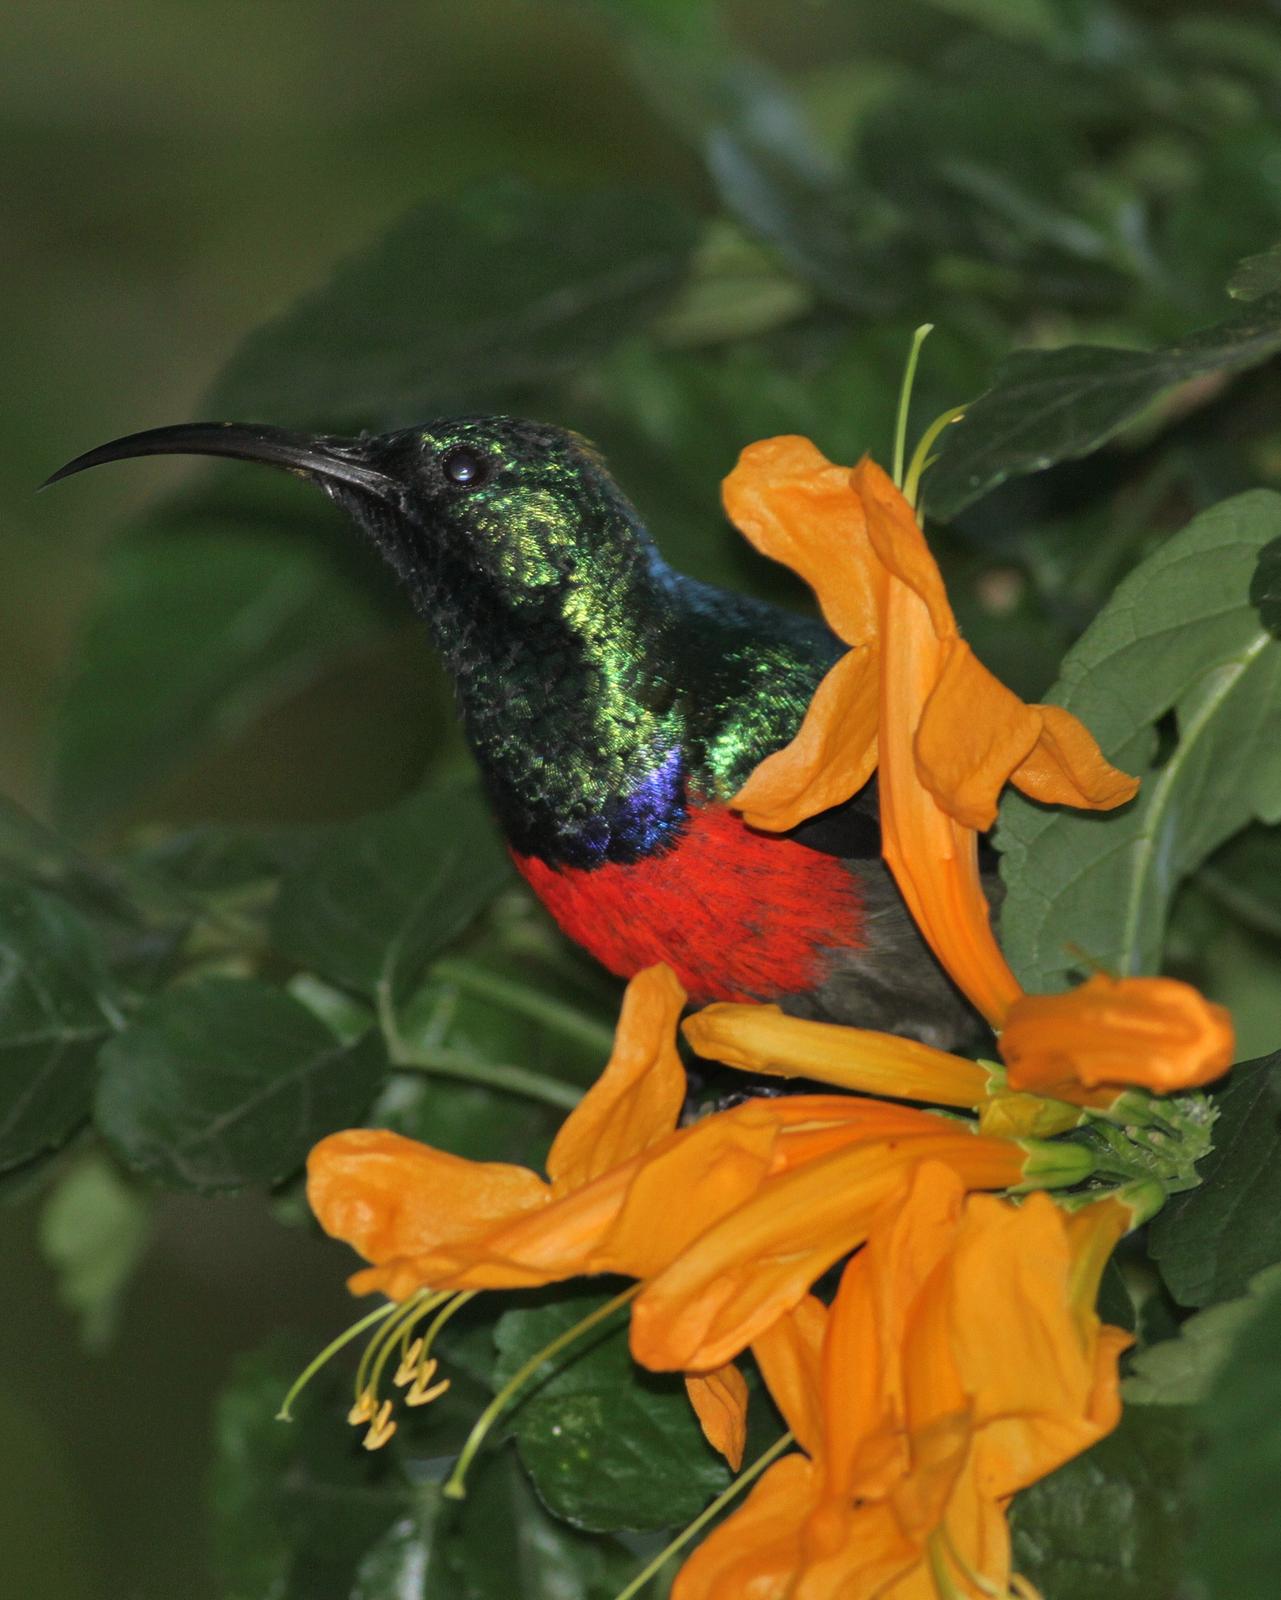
(601, 691)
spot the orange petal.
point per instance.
(633, 1219)
(719, 1400)
(790, 1356)
(764, 1039)
(1024, 1343)
(389, 1196)
(899, 545)
(1067, 768)
(1157, 1032)
(525, 1249)
(795, 506)
(759, 1550)
(832, 756)
(972, 734)
(742, 1274)
(706, 1172)
(869, 1401)
(638, 1097)
(1093, 1232)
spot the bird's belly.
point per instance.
(736, 914)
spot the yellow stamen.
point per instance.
(362, 1410)
(380, 1347)
(331, 1349)
(420, 1394)
(382, 1429)
(455, 1485)
(408, 1363)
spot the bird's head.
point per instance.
(519, 518)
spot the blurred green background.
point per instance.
(176, 174)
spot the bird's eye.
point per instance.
(466, 467)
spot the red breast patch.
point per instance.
(736, 914)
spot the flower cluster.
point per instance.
(961, 1358)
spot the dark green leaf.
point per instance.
(771, 170)
(1116, 1304)
(500, 1543)
(93, 1230)
(462, 306)
(1017, 19)
(1180, 1371)
(1257, 275)
(57, 1005)
(1056, 405)
(1265, 587)
(1211, 1241)
(296, 1505)
(1237, 1545)
(1179, 635)
(607, 1444)
(1244, 877)
(226, 1082)
(377, 898)
(1112, 1521)
(200, 626)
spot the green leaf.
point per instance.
(1244, 877)
(1116, 1303)
(1237, 1545)
(57, 1005)
(295, 1505)
(225, 1082)
(397, 1565)
(377, 898)
(1180, 636)
(203, 622)
(1111, 1522)
(1181, 1371)
(607, 1444)
(1257, 276)
(1056, 405)
(1016, 19)
(772, 172)
(93, 1230)
(464, 305)
(388, 1532)
(500, 1543)
(1210, 1242)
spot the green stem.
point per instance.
(446, 1063)
(704, 1517)
(454, 1486)
(494, 1074)
(541, 1008)
(905, 399)
(921, 457)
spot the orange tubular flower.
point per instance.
(947, 734)
(961, 1361)
(727, 1222)
(763, 1038)
(912, 699)
(1113, 1032)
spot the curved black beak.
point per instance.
(328, 459)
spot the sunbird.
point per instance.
(614, 707)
